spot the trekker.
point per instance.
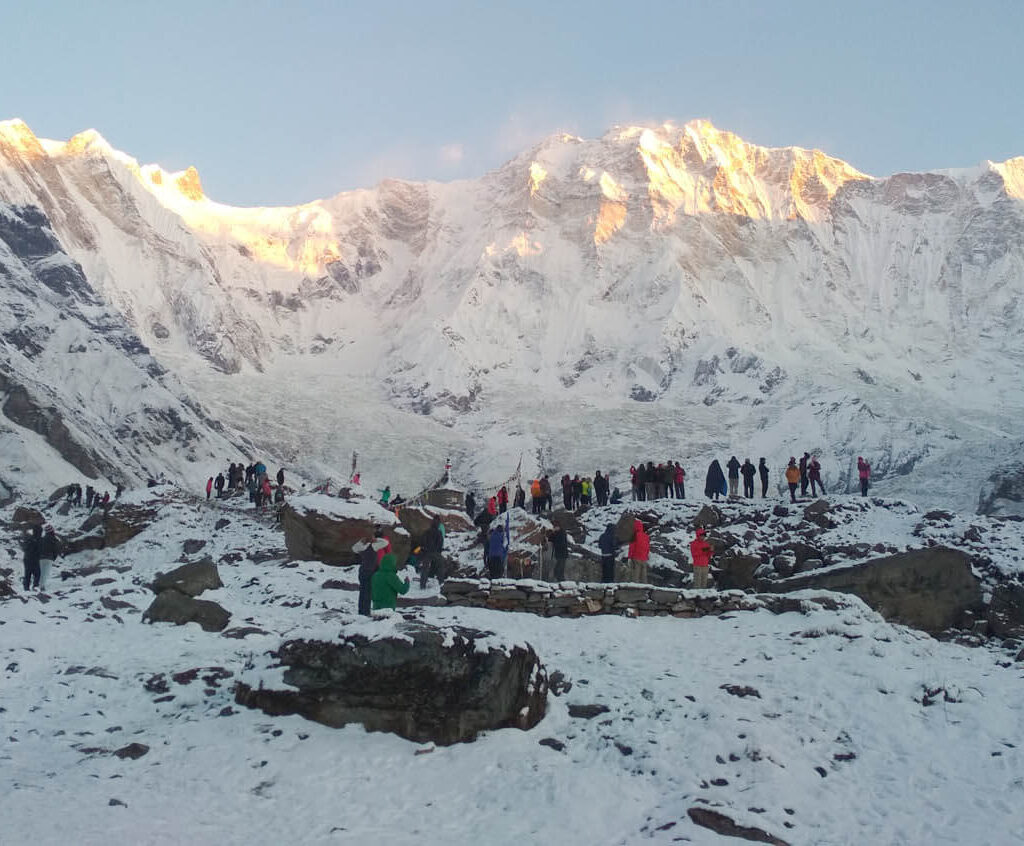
(519, 500)
(586, 491)
(577, 491)
(279, 495)
(734, 477)
(748, 471)
(280, 476)
(639, 552)
(536, 496)
(762, 468)
(219, 485)
(209, 487)
(385, 496)
(560, 544)
(567, 492)
(49, 550)
(545, 489)
(471, 505)
(267, 492)
(864, 472)
(31, 550)
(497, 549)
(792, 478)
(803, 473)
(367, 549)
(502, 499)
(679, 478)
(700, 552)
(385, 586)
(714, 485)
(600, 488)
(608, 544)
(492, 506)
(431, 561)
(814, 476)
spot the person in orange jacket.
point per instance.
(700, 552)
(639, 551)
(792, 478)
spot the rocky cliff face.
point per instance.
(80, 395)
(669, 280)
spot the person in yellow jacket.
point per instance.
(792, 478)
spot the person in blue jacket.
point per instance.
(497, 549)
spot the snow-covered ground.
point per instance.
(859, 731)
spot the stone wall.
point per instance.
(575, 599)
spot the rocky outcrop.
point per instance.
(442, 685)
(1006, 611)
(930, 589)
(313, 536)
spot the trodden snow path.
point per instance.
(834, 745)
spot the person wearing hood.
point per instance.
(762, 469)
(367, 549)
(714, 486)
(814, 476)
(792, 477)
(700, 552)
(748, 471)
(385, 586)
(49, 550)
(209, 487)
(802, 466)
(432, 562)
(608, 544)
(639, 551)
(519, 499)
(734, 477)
(32, 548)
(497, 549)
(560, 543)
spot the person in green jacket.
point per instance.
(386, 586)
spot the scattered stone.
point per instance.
(222, 523)
(424, 683)
(192, 546)
(115, 604)
(558, 683)
(587, 712)
(242, 632)
(113, 803)
(24, 516)
(623, 748)
(720, 823)
(780, 511)
(132, 751)
(708, 517)
(739, 690)
(557, 745)
(817, 513)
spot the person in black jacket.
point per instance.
(218, 483)
(32, 547)
(762, 469)
(748, 471)
(431, 560)
(608, 544)
(560, 542)
(715, 481)
(50, 549)
(471, 505)
(734, 477)
(369, 551)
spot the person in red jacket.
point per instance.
(864, 472)
(700, 551)
(502, 499)
(639, 551)
(209, 486)
(492, 506)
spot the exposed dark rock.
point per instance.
(424, 684)
(124, 522)
(587, 712)
(24, 516)
(736, 572)
(190, 579)
(192, 546)
(727, 827)
(817, 513)
(222, 523)
(742, 691)
(21, 408)
(557, 745)
(242, 632)
(178, 608)
(624, 527)
(1006, 611)
(309, 535)
(132, 751)
(929, 589)
(707, 518)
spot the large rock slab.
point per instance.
(322, 528)
(1006, 611)
(928, 589)
(441, 685)
(189, 579)
(172, 606)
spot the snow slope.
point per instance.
(859, 731)
(660, 290)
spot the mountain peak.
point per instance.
(87, 141)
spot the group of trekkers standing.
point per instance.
(252, 478)
(379, 585)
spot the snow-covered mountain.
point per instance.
(658, 292)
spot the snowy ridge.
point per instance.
(666, 290)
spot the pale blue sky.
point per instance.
(285, 102)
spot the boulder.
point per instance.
(736, 572)
(817, 513)
(189, 579)
(192, 546)
(624, 528)
(124, 522)
(928, 589)
(426, 684)
(1006, 611)
(707, 518)
(567, 520)
(24, 516)
(416, 520)
(171, 606)
(328, 537)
